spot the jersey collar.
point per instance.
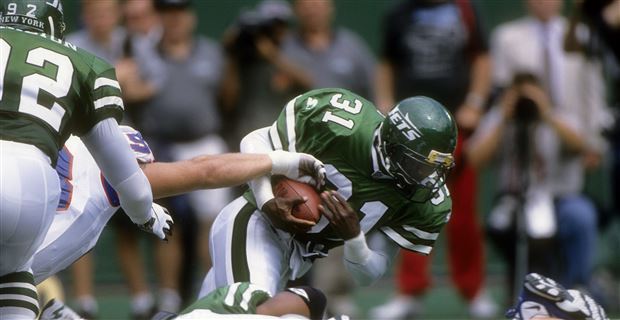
(379, 164)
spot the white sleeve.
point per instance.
(258, 141)
(367, 264)
(502, 68)
(117, 162)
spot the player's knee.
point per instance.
(18, 296)
(314, 299)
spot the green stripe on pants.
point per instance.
(239, 261)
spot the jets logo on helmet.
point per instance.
(44, 16)
(403, 123)
(418, 138)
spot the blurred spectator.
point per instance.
(143, 31)
(181, 120)
(101, 34)
(537, 136)
(603, 18)
(141, 20)
(436, 48)
(331, 57)
(259, 79)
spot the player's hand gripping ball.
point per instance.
(309, 210)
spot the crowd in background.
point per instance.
(535, 100)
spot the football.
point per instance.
(288, 188)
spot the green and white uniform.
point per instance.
(51, 89)
(237, 298)
(340, 128)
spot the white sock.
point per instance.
(87, 303)
(169, 300)
(141, 303)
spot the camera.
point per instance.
(526, 110)
(268, 20)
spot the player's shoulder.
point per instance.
(336, 110)
(93, 63)
(82, 60)
(329, 92)
(334, 98)
(31, 40)
(511, 30)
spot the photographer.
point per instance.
(258, 77)
(537, 147)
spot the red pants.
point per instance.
(465, 243)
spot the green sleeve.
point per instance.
(101, 96)
(419, 225)
(237, 298)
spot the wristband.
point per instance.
(356, 250)
(475, 100)
(281, 163)
(261, 187)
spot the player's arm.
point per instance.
(117, 162)
(365, 264)
(224, 170)
(279, 210)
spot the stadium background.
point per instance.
(364, 17)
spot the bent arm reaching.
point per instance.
(365, 264)
(368, 263)
(117, 162)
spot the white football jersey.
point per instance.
(87, 203)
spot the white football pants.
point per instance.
(29, 194)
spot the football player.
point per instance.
(544, 299)
(386, 176)
(88, 201)
(50, 89)
(240, 300)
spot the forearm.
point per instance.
(204, 172)
(118, 164)
(137, 90)
(298, 75)
(480, 81)
(384, 87)
(480, 149)
(568, 136)
(230, 85)
(258, 141)
(367, 265)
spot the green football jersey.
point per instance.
(50, 89)
(340, 128)
(237, 298)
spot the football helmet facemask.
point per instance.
(418, 137)
(34, 15)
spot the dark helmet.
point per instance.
(33, 15)
(418, 138)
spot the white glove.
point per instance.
(298, 166)
(160, 223)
